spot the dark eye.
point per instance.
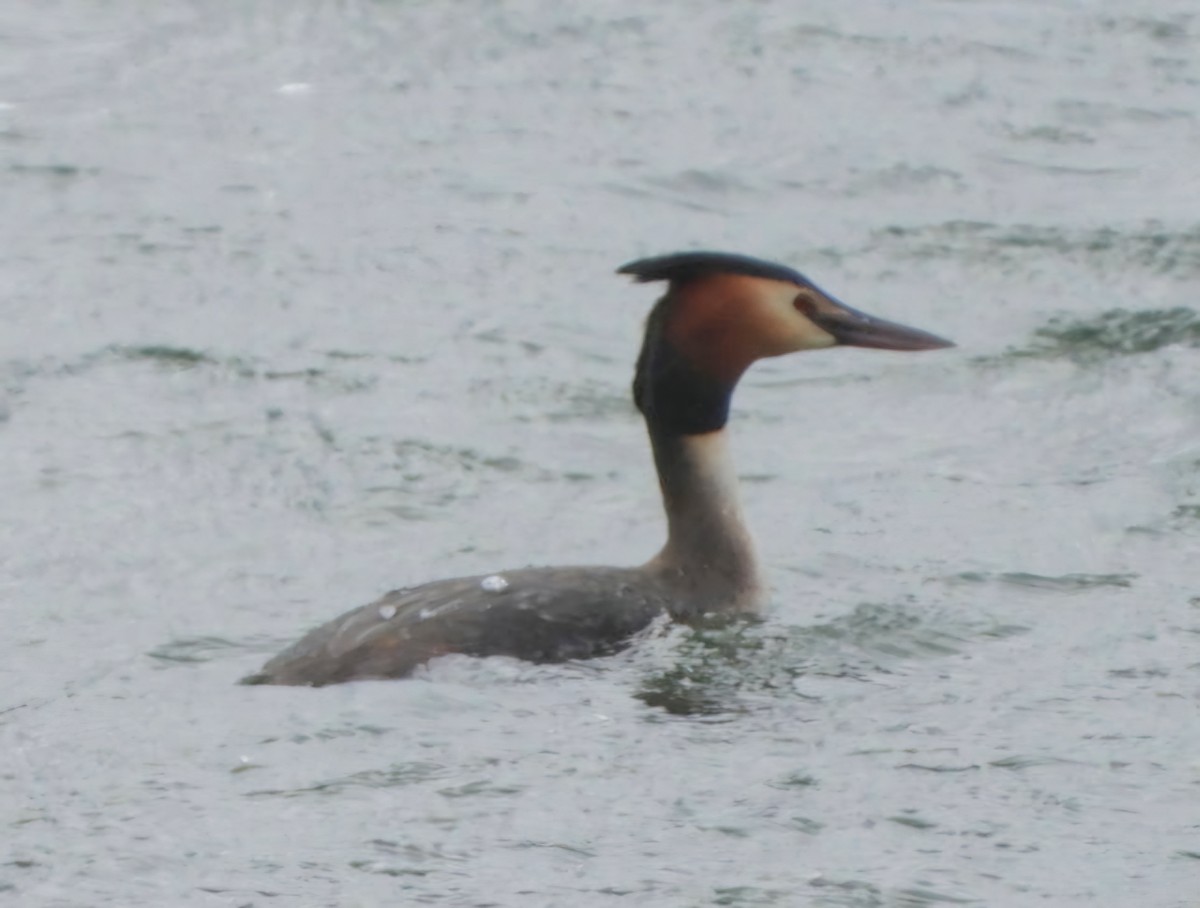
(805, 303)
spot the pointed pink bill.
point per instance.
(852, 328)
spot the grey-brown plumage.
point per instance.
(520, 613)
(721, 312)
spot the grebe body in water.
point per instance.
(721, 312)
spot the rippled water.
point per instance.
(303, 302)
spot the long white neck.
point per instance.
(709, 556)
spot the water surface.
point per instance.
(304, 302)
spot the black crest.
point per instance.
(688, 266)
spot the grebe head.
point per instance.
(721, 312)
(730, 310)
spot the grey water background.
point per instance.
(305, 301)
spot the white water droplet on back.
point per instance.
(494, 583)
(387, 611)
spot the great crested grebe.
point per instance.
(721, 312)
